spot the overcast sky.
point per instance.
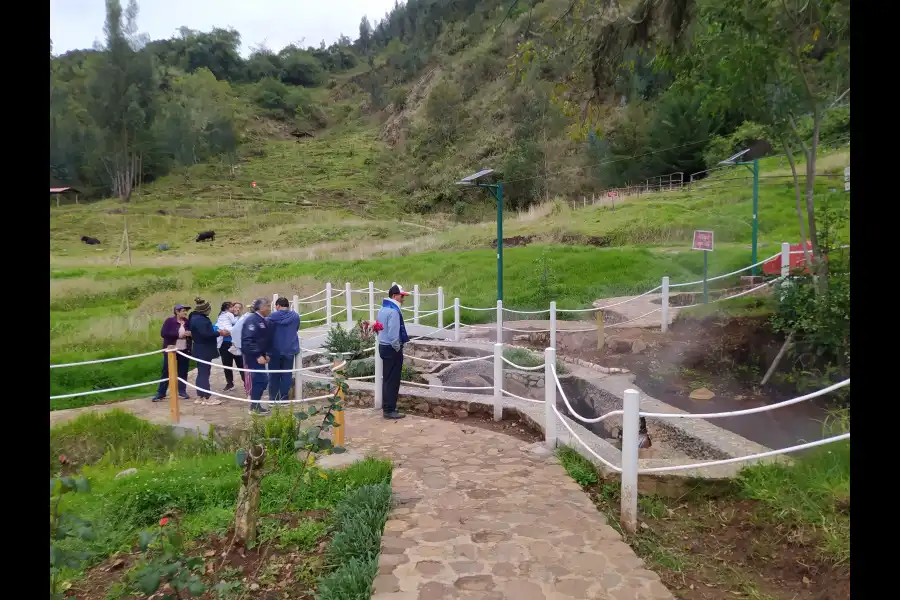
(76, 24)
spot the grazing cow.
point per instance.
(206, 235)
(89, 240)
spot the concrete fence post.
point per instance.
(274, 298)
(664, 303)
(328, 304)
(298, 364)
(371, 301)
(440, 314)
(499, 321)
(498, 381)
(379, 379)
(416, 304)
(630, 425)
(549, 398)
(348, 297)
(785, 259)
(456, 319)
(553, 325)
(295, 303)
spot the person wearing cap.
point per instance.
(256, 344)
(204, 347)
(390, 347)
(174, 332)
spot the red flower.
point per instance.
(163, 521)
(377, 327)
(63, 459)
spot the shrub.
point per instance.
(349, 344)
(361, 516)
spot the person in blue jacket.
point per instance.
(256, 346)
(390, 347)
(285, 344)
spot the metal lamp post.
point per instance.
(753, 165)
(497, 190)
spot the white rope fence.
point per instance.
(325, 299)
(106, 360)
(631, 415)
(114, 389)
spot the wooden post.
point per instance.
(174, 400)
(601, 334)
(340, 425)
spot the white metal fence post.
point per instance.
(416, 304)
(785, 259)
(499, 321)
(295, 303)
(372, 301)
(328, 304)
(630, 425)
(274, 298)
(553, 325)
(349, 304)
(379, 378)
(298, 364)
(456, 319)
(664, 303)
(440, 313)
(549, 398)
(498, 381)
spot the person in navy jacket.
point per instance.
(256, 346)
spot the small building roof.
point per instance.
(62, 190)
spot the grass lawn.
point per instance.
(776, 532)
(325, 537)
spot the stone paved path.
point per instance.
(481, 515)
(478, 515)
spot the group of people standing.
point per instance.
(258, 339)
(264, 341)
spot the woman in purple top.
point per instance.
(174, 332)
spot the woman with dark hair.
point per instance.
(224, 326)
(174, 332)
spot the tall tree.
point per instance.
(123, 103)
(783, 62)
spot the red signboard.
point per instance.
(703, 240)
(797, 262)
(612, 194)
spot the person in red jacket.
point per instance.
(174, 332)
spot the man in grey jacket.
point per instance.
(390, 347)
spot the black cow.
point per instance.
(89, 240)
(206, 235)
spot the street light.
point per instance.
(496, 189)
(748, 154)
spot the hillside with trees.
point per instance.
(560, 98)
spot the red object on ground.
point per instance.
(798, 261)
(253, 184)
